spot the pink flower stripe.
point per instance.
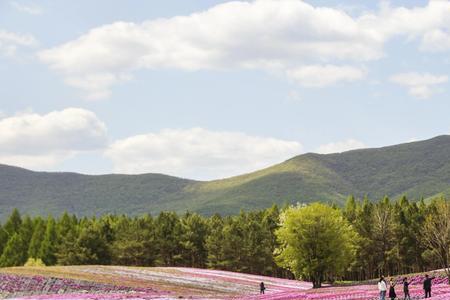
(174, 283)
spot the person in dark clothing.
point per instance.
(427, 286)
(262, 288)
(406, 288)
(392, 293)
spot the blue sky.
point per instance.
(209, 89)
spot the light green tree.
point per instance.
(317, 242)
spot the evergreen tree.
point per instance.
(14, 253)
(3, 239)
(350, 209)
(214, 242)
(193, 240)
(92, 245)
(168, 232)
(232, 249)
(256, 243)
(13, 223)
(47, 252)
(36, 238)
(270, 222)
(134, 243)
(65, 225)
(383, 236)
(68, 251)
(26, 231)
(365, 264)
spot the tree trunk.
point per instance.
(317, 281)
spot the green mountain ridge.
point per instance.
(416, 169)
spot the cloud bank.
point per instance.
(419, 85)
(10, 42)
(33, 140)
(287, 36)
(198, 153)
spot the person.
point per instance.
(427, 285)
(382, 288)
(406, 288)
(262, 288)
(392, 293)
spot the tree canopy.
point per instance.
(317, 242)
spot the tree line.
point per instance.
(242, 243)
(317, 242)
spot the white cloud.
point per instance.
(264, 34)
(413, 23)
(198, 153)
(324, 75)
(342, 146)
(34, 141)
(279, 36)
(419, 85)
(436, 41)
(31, 9)
(11, 41)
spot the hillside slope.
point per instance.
(417, 169)
(44, 193)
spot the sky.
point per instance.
(210, 89)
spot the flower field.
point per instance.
(114, 282)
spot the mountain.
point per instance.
(417, 169)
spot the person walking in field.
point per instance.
(382, 288)
(392, 293)
(427, 286)
(262, 288)
(406, 288)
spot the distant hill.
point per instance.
(417, 169)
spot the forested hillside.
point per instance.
(417, 169)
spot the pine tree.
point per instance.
(13, 223)
(92, 246)
(14, 253)
(350, 209)
(48, 246)
(37, 238)
(384, 237)
(365, 264)
(168, 233)
(68, 251)
(26, 231)
(3, 239)
(271, 220)
(134, 244)
(232, 249)
(214, 242)
(193, 240)
(65, 224)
